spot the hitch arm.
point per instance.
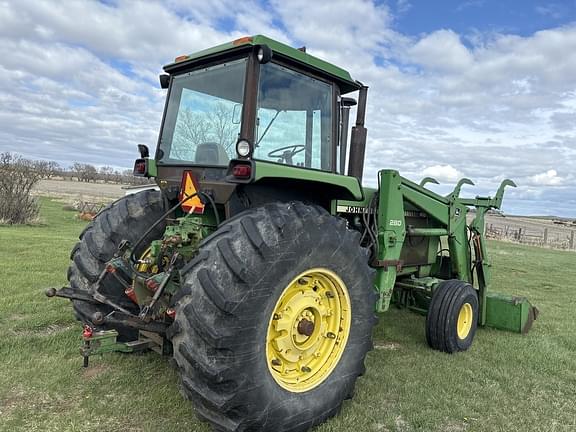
(72, 294)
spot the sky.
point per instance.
(484, 89)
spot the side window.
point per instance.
(294, 119)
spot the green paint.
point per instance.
(428, 232)
(102, 342)
(347, 83)
(152, 168)
(391, 234)
(349, 186)
(510, 313)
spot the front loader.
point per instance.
(258, 262)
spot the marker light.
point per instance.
(243, 148)
(242, 40)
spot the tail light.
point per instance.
(242, 171)
(140, 168)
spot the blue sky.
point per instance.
(482, 89)
(520, 17)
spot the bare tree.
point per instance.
(49, 168)
(194, 128)
(221, 126)
(17, 178)
(106, 173)
(85, 172)
(191, 129)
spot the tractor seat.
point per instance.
(211, 153)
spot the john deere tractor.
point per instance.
(260, 262)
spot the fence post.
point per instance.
(520, 235)
(545, 236)
(571, 239)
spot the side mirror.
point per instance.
(144, 152)
(164, 81)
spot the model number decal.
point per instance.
(395, 222)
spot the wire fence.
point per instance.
(563, 237)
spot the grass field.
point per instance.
(504, 382)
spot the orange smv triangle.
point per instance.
(189, 188)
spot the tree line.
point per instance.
(19, 175)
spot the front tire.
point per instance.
(452, 316)
(226, 335)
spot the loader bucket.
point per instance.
(510, 313)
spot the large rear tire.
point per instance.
(125, 219)
(281, 269)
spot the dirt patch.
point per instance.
(455, 427)
(14, 399)
(95, 371)
(31, 400)
(401, 424)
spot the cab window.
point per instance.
(294, 119)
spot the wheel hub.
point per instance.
(308, 330)
(305, 327)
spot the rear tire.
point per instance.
(452, 317)
(223, 317)
(125, 219)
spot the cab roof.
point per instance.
(341, 76)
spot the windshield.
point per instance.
(294, 120)
(202, 120)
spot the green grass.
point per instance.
(504, 382)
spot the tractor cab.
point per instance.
(259, 103)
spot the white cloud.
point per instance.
(548, 178)
(442, 173)
(443, 51)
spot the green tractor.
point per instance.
(258, 262)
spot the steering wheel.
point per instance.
(287, 153)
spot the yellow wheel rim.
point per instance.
(465, 318)
(308, 330)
